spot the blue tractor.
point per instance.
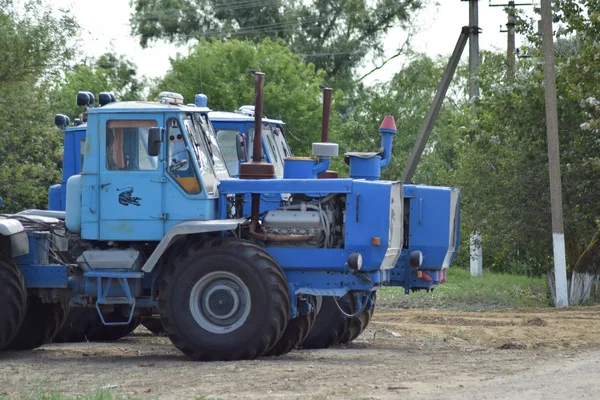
(154, 222)
(432, 213)
(431, 220)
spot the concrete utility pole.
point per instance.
(558, 237)
(476, 254)
(473, 50)
(511, 49)
(434, 108)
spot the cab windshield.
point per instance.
(205, 146)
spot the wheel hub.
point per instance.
(220, 302)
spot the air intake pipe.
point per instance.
(387, 130)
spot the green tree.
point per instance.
(35, 44)
(407, 97)
(334, 35)
(221, 71)
(107, 73)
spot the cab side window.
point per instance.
(228, 142)
(127, 146)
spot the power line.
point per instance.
(275, 26)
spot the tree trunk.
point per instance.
(581, 287)
(551, 285)
(585, 272)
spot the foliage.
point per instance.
(407, 97)
(221, 71)
(35, 44)
(108, 73)
(463, 292)
(30, 148)
(336, 35)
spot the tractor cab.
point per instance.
(235, 133)
(146, 167)
(235, 130)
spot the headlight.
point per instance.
(416, 259)
(355, 261)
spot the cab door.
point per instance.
(131, 182)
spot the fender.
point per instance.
(189, 228)
(19, 243)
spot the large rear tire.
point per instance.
(154, 325)
(42, 322)
(224, 299)
(296, 332)
(13, 298)
(330, 324)
(79, 324)
(111, 333)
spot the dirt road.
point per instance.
(409, 354)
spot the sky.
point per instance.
(106, 25)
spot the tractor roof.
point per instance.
(144, 107)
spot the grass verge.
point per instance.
(466, 293)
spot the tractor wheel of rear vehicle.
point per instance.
(330, 324)
(224, 299)
(13, 298)
(358, 324)
(42, 322)
(79, 324)
(296, 332)
(111, 333)
(154, 325)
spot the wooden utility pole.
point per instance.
(558, 236)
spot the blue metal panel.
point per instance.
(45, 276)
(72, 155)
(321, 283)
(368, 217)
(320, 187)
(430, 223)
(87, 285)
(54, 198)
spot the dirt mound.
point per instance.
(512, 346)
(536, 322)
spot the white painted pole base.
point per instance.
(476, 254)
(560, 270)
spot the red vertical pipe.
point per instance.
(326, 113)
(259, 79)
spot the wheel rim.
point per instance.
(220, 302)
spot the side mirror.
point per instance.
(154, 140)
(240, 147)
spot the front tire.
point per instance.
(224, 299)
(13, 298)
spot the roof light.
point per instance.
(105, 98)
(61, 121)
(170, 98)
(247, 110)
(201, 100)
(85, 99)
